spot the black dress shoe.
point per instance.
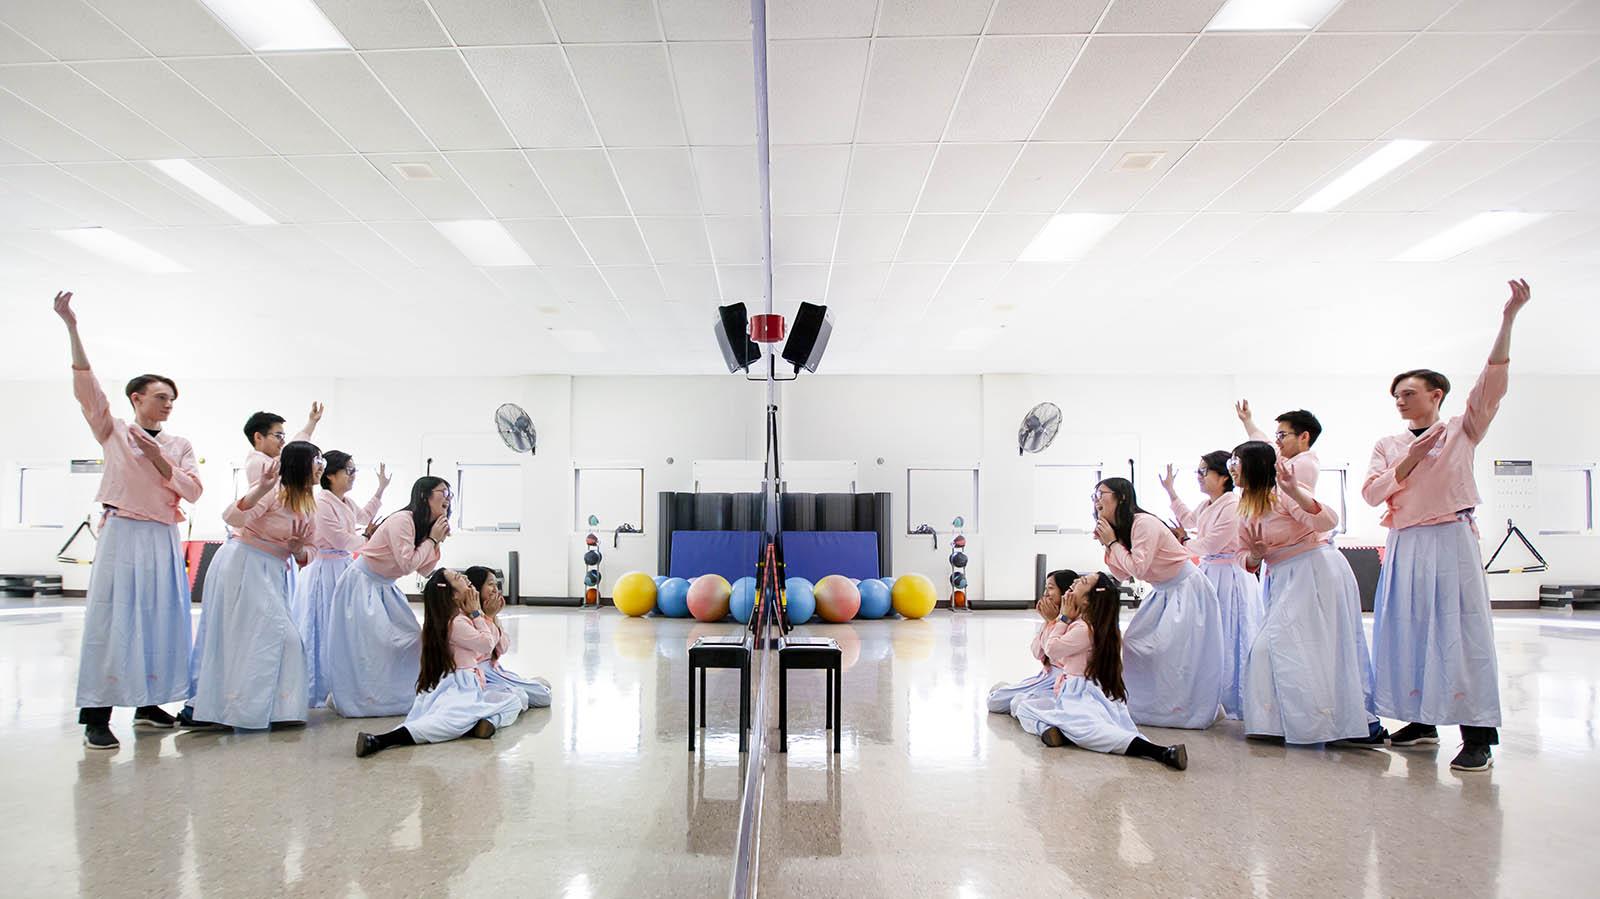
(99, 736)
(483, 730)
(1176, 757)
(1054, 738)
(366, 744)
(153, 716)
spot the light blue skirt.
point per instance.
(457, 703)
(218, 560)
(374, 648)
(136, 618)
(313, 605)
(1432, 630)
(1172, 653)
(252, 665)
(1309, 677)
(1239, 596)
(534, 691)
(1004, 699)
(1083, 712)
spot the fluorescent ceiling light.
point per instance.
(279, 24)
(120, 249)
(213, 191)
(1485, 227)
(1270, 15)
(1067, 237)
(1388, 158)
(577, 341)
(484, 242)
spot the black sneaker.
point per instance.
(1376, 738)
(366, 744)
(1054, 738)
(99, 736)
(1273, 739)
(1415, 735)
(1176, 757)
(187, 721)
(153, 716)
(1473, 757)
(483, 730)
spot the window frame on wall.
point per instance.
(1098, 469)
(1587, 469)
(460, 505)
(970, 521)
(580, 517)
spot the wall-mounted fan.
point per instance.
(516, 428)
(1039, 427)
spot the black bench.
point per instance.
(720, 652)
(812, 654)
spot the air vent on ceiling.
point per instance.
(1138, 162)
(416, 171)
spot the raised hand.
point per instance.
(1168, 479)
(441, 529)
(1242, 409)
(383, 477)
(64, 308)
(1521, 293)
(316, 413)
(269, 473)
(1104, 533)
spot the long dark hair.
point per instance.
(1127, 507)
(1063, 578)
(1258, 473)
(1100, 612)
(1216, 461)
(421, 489)
(296, 464)
(439, 608)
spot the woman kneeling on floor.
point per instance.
(452, 698)
(1089, 707)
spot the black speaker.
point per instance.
(733, 337)
(809, 337)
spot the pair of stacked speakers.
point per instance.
(807, 339)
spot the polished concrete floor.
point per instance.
(931, 796)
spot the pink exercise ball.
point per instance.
(708, 597)
(838, 600)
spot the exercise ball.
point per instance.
(802, 601)
(634, 594)
(743, 600)
(672, 597)
(592, 557)
(838, 600)
(913, 595)
(708, 597)
(875, 602)
(659, 579)
(887, 582)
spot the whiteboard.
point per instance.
(53, 496)
(614, 495)
(488, 496)
(1061, 492)
(936, 496)
(1565, 499)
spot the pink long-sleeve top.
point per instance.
(392, 550)
(1047, 630)
(1213, 527)
(1069, 651)
(269, 524)
(130, 483)
(1442, 484)
(472, 640)
(340, 522)
(1287, 529)
(256, 462)
(1156, 555)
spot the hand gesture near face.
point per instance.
(1104, 533)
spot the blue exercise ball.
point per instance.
(672, 597)
(875, 601)
(743, 600)
(659, 579)
(802, 602)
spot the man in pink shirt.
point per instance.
(1296, 433)
(267, 438)
(1432, 630)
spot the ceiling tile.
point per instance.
(61, 93)
(727, 177)
(1385, 15)
(484, 22)
(1504, 83)
(68, 29)
(966, 283)
(421, 243)
(1112, 77)
(803, 238)
(1436, 175)
(593, 21)
(870, 238)
(1204, 235)
(925, 17)
(1581, 16)
(16, 48)
(385, 24)
(913, 284)
(1505, 187)
(716, 86)
(345, 94)
(1011, 82)
(887, 178)
(1046, 16)
(536, 94)
(612, 241)
(11, 154)
(550, 241)
(814, 88)
(168, 28)
(1044, 175)
(735, 239)
(739, 283)
(912, 85)
(634, 282)
(42, 136)
(1556, 112)
(1137, 236)
(1159, 16)
(439, 92)
(1217, 72)
(690, 283)
(57, 188)
(580, 181)
(705, 20)
(808, 179)
(363, 247)
(576, 283)
(1495, 15)
(1290, 172)
(1002, 237)
(278, 187)
(1579, 191)
(657, 181)
(358, 186)
(447, 197)
(629, 89)
(819, 18)
(857, 283)
(799, 283)
(1202, 174)
(676, 239)
(1415, 75)
(936, 238)
(1313, 76)
(505, 182)
(1107, 190)
(165, 100)
(250, 93)
(965, 176)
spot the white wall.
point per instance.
(905, 420)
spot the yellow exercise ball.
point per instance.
(913, 595)
(634, 594)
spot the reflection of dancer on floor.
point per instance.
(1211, 531)
(372, 635)
(1087, 703)
(1003, 697)
(535, 691)
(453, 699)
(342, 527)
(252, 670)
(136, 615)
(1308, 679)
(1432, 631)
(1172, 652)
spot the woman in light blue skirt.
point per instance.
(452, 699)
(1003, 698)
(373, 636)
(1086, 704)
(535, 691)
(252, 671)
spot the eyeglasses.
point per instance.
(1233, 462)
(1202, 472)
(1096, 496)
(277, 435)
(350, 470)
(1281, 436)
